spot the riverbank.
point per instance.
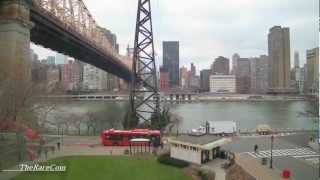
(249, 97)
(204, 97)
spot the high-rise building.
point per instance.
(259, 74)
(220, 66)
(111, 37)
(61, 59)
(235, 58)
(312, 80)
(279, 60)
(204, 80)
(299, 79)
(94, 79)
(253, 74)
(296, 59)
(184, 78)
(71, 75)
(243, 73)
(222, 83)
(171, 61)
(194, 82)
(51, 60)
(130, 51)
(164, 79)
(297, 74)
(34, 56)
(53, 78)
(305, 86)
(113, 82)
(193, 70)
(38, 71)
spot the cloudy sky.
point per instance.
(210, 28)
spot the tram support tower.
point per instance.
(144, 97)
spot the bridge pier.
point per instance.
(15, 29)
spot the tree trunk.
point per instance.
(88, 130)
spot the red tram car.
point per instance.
(114, 137)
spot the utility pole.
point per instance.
(144, 96)
(271, 160)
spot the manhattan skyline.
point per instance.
(209, 29)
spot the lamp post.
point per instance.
(271, 160)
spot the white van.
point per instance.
(216, 127)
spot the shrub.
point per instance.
(206, 174)
(126, 152)
(166, 159)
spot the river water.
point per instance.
(246, 114)
(278, 114)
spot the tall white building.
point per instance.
(222, 83)
(235, 59)
(300, 79)
(94, 78)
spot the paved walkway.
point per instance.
(254, 168)
(216, 166)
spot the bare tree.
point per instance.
(76, 121)
(89, 121)
(175, 121)
(20, 102)
(110, 117)
(43, 109)
(62, 121)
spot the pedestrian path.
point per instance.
(296, 153)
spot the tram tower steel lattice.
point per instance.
(144, 95)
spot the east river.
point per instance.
(278, 114)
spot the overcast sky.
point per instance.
(210, 28)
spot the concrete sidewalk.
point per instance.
(216, 165)
(256, 169)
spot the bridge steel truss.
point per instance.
(144, 97)
(70, 20)
(75, 15)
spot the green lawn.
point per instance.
(107, 167)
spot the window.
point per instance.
(125, 138)
(115, 138)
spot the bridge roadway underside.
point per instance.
(50, 33)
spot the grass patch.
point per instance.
(107, 168)
(166, 159)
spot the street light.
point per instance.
(271, 160)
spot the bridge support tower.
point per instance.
(15, 29)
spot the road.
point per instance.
(290, 152)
